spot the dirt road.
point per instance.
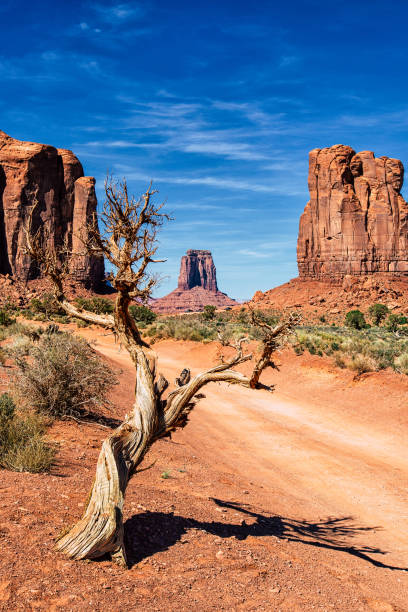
(311, 461)
(290, 501)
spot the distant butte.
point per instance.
(197, 286)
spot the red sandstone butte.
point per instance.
(55, 178)
(353, 238)
(197, 286)
(356, 221)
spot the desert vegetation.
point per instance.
(61, 376)
(50, 375)
(361, 350)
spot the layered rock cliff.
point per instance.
(197, 286)
(356, 221)
(31, 172)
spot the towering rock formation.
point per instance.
(356, 221)
(197, 270)
(31, 172)
(197, 286)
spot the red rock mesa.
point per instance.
(197, 286)
(66, 198)
(356, 221)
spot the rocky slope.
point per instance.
(317, 298)
(356, 221)
(31, 172)
(197, 286)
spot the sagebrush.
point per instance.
(22, 444)
(62, 376)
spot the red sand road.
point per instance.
(295, 500)
(312, 459)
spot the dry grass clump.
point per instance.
(362, 364)
(401, 363)
(361, 351)
(22, 444)
(62, 376)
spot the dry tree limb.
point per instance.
(273, 336)
(129, 243)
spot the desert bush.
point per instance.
(401, 363)
(378, 312)
(80, 322)
(394, 320)
(5, 318)
(3, 357)
(142, 314)
(22, 445)
(63, 376)
(355, 319)
(339, 361)
(208, 313)
(98, 305)
(362, 363)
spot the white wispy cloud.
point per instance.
(119, 12)
(210, 181)
(288, 60)
(257, 254)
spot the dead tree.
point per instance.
(128, 242)
(273, 336)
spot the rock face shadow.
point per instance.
(151, 532)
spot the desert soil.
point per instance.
(295, 500)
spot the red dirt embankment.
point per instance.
(316, 298)
(294, 500)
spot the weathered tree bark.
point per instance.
(100, 530)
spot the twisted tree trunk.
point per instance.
(100, 530)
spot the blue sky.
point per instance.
(218, 101)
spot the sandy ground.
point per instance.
(295, 500)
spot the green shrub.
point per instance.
(394, 320)
(80, 322)
(142, 313)
(22, 446)
(5, 318)
(62, 377)
(7, 407)
(98, 305)
(208, 313)
(355, 319)
(378, 312)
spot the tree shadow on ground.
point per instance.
(96, 418)
(150, 532)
